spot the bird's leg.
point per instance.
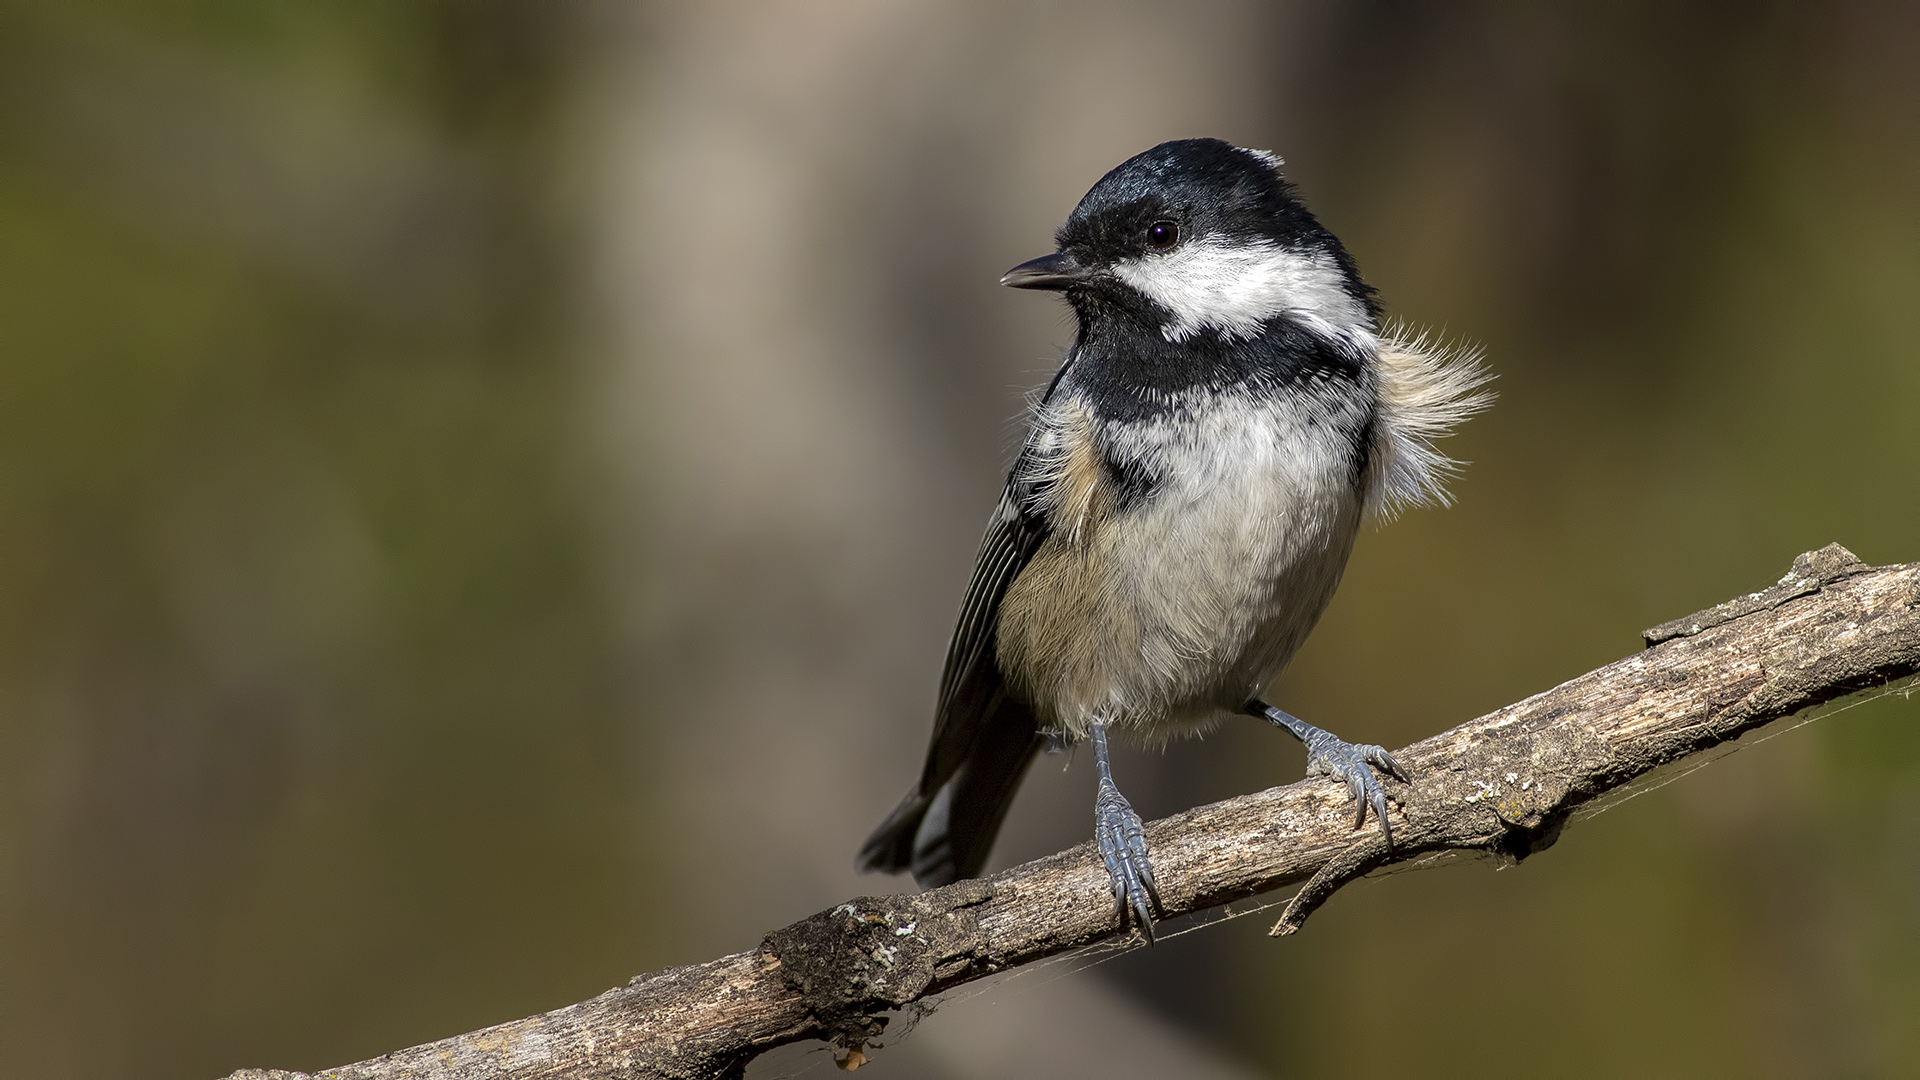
(1327, 755)
(1122, 844)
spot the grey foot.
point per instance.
(1329, 755)
(1124, 847)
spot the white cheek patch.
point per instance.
(1236, 286)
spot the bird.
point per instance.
(1181, 510)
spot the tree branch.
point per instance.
(1505, 783)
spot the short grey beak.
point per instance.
(1055, 272)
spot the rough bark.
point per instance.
(1505, 783)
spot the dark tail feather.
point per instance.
(947, 835)
(974, 802)
(890, 849)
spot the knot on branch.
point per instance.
(1537, 791)
(876, 953)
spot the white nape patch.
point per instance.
(1426, 389)
(1266, 157)
(1213, 283)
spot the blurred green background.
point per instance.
(484, 487)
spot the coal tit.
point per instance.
(1182, 509)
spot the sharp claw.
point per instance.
(1140, 909)
(1379, 756)
(1380, 808)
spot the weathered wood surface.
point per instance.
(1505, 783)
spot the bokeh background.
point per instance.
(484, 487)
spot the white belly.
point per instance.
(1159, 617)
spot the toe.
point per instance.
(1357, 787)
(1151, 889)
(1143, 866)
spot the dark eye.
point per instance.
(1162, 234)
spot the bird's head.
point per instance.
(1199, 236)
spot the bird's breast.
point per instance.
(1188, 555)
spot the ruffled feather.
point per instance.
(1427, 388)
